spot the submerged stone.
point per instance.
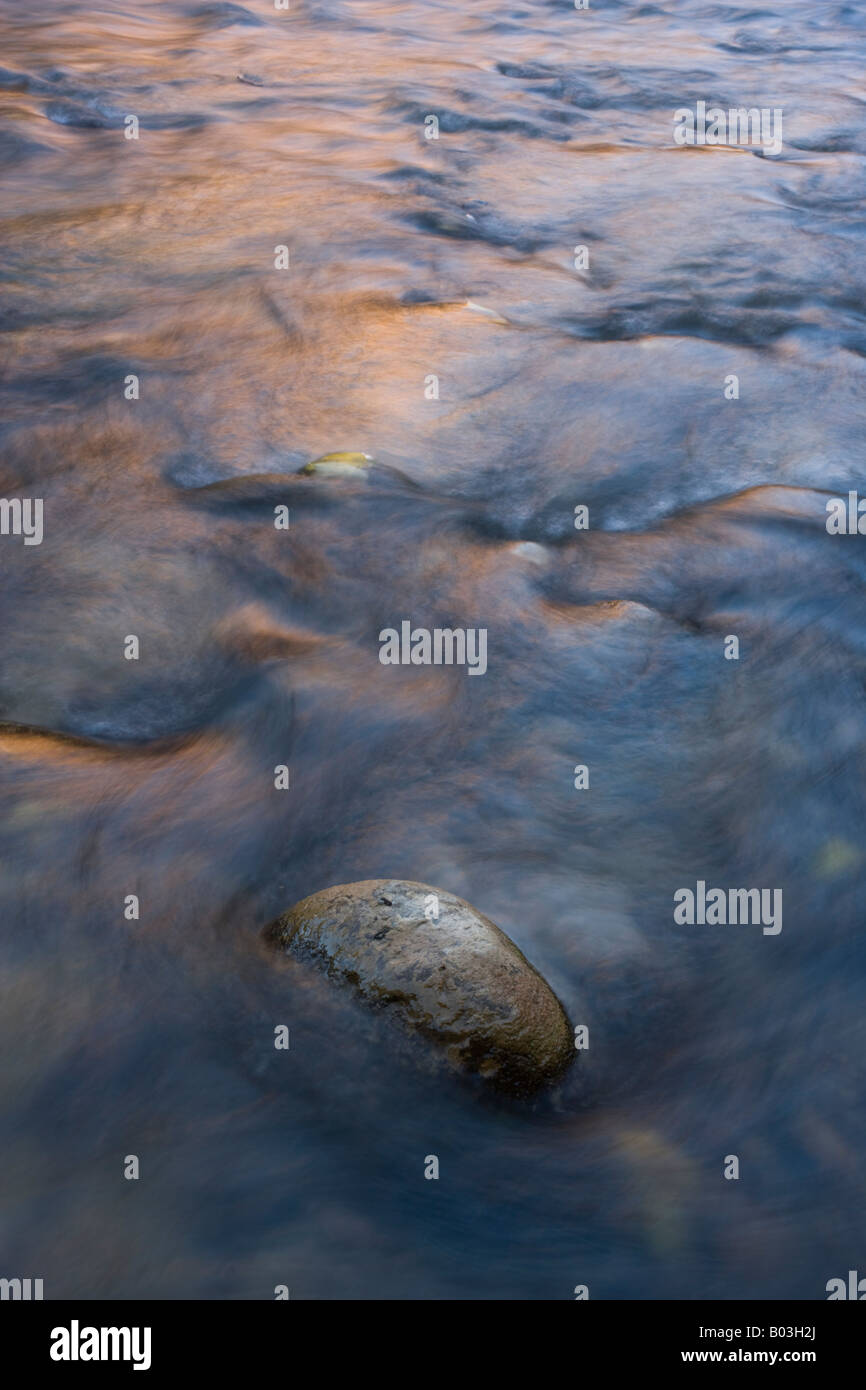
(339, 465)
(445, 971)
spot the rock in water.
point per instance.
(339, 465)
(445, 971)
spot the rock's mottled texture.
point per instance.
(443, 969)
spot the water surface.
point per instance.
(604, 387)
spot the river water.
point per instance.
(602, 385)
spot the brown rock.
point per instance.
(448, 973)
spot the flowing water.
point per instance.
(604, 386)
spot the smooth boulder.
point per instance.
(444, 970)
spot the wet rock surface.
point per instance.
(444, 970)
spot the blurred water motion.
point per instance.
(557, 387)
